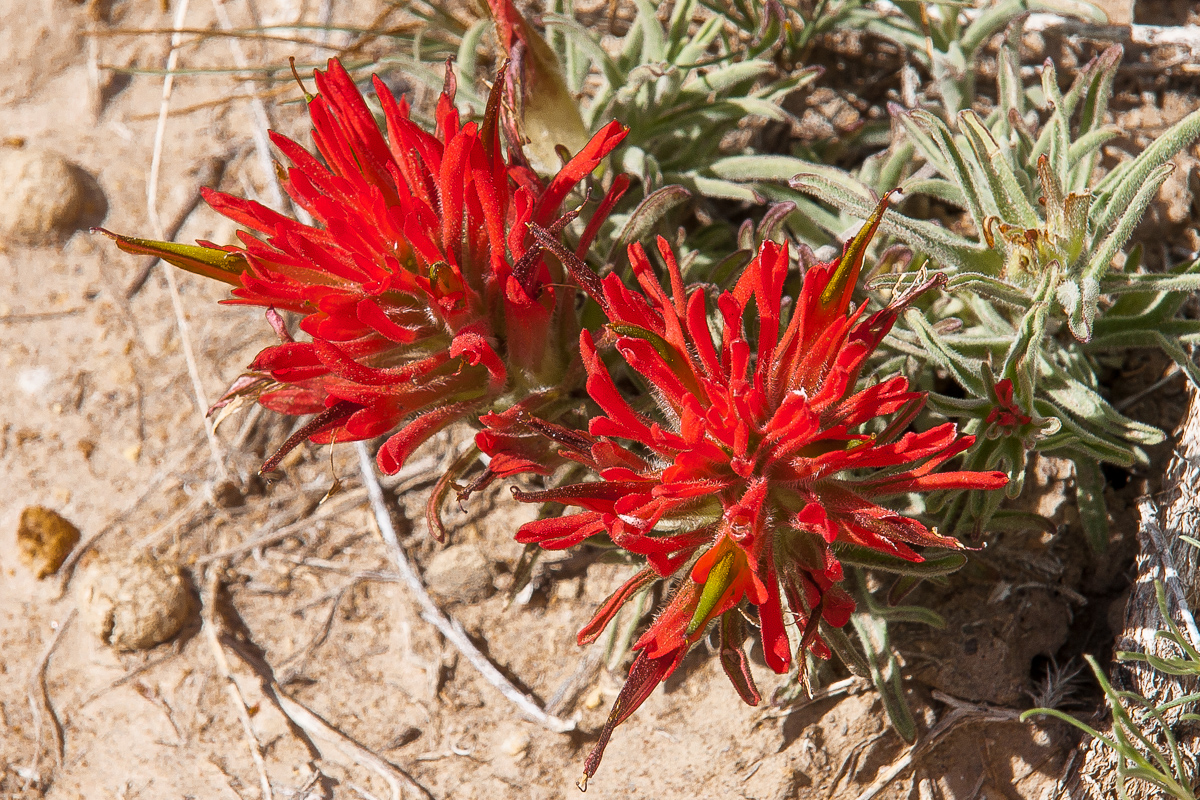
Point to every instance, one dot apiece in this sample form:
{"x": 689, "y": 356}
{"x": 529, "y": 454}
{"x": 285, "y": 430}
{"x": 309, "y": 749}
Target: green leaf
{"x": 991, "y": 288}
{"x": 648, "y": 214}
{"x": 727, "y": 190}
{"x": 955, "y": 166}
{"x": 1135, "y": 207}
{"x": 933, "y": 565}
{"x": 778, "y": 168}
{"x": 965, "y": 371}
{"x": 1014, "y": 207}
{"x": 845, "y": 650}
{"x": 1089, "y": 143}
{"x": 947, "y": 249}
{"x": 582, "y": 38}
{"x": 938, "y": 188}
{"x": 1149, "y": 282}
{"x": 654, "y": 48}
{"x": 1089, "y": 495}
{"x": 208, "y": 262}
{"x": 723, "y": 78}
{"x": 694, "y": 50}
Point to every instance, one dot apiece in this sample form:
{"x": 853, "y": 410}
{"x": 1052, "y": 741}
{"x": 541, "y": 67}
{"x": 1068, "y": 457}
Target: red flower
{"x": 763, "y": 464}
{"x": 1006, "y": 414}
{"x": 423, "y": 295}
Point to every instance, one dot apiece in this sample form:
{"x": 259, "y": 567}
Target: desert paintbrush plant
{"x": 1038, "y": 283}
{"x": 424, "y": 297}
{"x": 766, "y": 458}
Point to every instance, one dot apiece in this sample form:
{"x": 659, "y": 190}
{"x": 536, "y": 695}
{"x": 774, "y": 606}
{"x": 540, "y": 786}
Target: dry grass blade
{"x": 450, "y": 628}
{"x": 185, "y": 338}
{"x": 262, "y": 122}
{"x": 209, "y": 628}
{"x": 39, "y": 702}
{"x": 331, "y": 508}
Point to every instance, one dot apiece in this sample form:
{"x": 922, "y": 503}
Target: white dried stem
{"x": 448, "y": 627}
{"x": 39, "y": 701}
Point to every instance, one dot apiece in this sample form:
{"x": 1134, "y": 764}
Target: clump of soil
{"x": 45, "y": 539}
{"x": 136, "y": 604}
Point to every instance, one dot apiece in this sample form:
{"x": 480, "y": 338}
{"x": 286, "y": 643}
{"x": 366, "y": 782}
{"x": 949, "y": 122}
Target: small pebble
{"x": 594, "y": 699}
{"x": 460, "y": 574}
{"x": 43, "y": 198}
{"x": 135, "y": 605}
{"x": 44, "y": 539}
{"x": 515, "y": 744}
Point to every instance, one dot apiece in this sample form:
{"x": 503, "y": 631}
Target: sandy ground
{"x": 100, "y": 421}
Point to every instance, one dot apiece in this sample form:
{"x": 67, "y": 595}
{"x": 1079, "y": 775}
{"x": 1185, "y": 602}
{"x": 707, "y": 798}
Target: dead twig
{"x": 185, "y": 338}
{"x": 315, "y": 729}
{"x": 39, "y": 702}
{"x": 127, "y": 677}
{"x": 321, "y": 731}
{"x": 851, "y": 685}
{"x": 568, "y": 691}
{"x": 38, "y": 316}
{"x": 448, "y": 627}
{"x": 209, "y": 628}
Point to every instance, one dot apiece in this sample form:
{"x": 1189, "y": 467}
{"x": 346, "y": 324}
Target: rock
{"x": 43, "y": 200}
{"x": 513, "y": 743}
{"x": 135, "y": 605}
{"x": 460, "y": 574}
{"x": 44, "y": 539}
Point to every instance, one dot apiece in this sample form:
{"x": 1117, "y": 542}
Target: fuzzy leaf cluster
{"x": 1038, "y": 271}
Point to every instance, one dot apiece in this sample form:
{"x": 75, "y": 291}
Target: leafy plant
{"x": 1035, "y": 275}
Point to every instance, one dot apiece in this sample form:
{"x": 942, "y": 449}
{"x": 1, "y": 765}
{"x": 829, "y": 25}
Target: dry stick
{"x": 568, "y": 691}
{"x": 321, "y": 731}
{"x": 185, "y": 338}
{"x": 38, "y": 316}
{"x": 126, "y": 678}
{"x": 448, "y": 627}
{"x": 209, "y": 628}
{"x": 39, "y": 701}
{"x": 189, "y": 510}
{"x": 318, "y": 729}
{"x": 209, "y": 175}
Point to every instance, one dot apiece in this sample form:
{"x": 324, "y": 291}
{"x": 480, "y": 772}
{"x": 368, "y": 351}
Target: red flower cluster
{"x": 764, "y": 462}
{"x": 435, "y": 287}
{"x": 422, "y": 291}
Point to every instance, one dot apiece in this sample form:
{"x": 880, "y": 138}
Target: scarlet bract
{"x": 424, "y": 297}
{"x": 758, "y": 464}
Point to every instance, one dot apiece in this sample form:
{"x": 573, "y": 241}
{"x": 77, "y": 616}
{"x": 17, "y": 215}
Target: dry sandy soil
{"x": 100, "y": 421}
